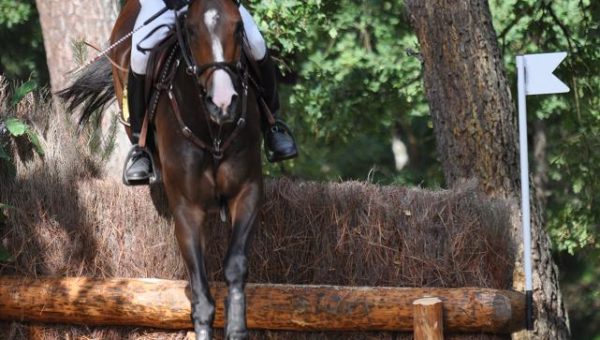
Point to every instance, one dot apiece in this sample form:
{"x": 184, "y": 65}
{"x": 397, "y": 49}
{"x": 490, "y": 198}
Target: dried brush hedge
{"x": 69, "y": 222}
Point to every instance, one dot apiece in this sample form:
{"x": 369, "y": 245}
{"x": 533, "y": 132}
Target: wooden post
{"x": 428, "y": 319}
{"x": 165, "y": 304}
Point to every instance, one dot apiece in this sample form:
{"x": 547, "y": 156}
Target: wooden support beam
{"x": 165, "y": 304}
{"x": 428, "y": 319}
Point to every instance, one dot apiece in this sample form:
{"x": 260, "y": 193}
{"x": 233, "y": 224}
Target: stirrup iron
{"x": 154, "y": 176}
{"x": 280, "y": 127}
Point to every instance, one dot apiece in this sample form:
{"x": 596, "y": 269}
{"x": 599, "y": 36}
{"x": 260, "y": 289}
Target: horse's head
{"x": 215, "y": 34}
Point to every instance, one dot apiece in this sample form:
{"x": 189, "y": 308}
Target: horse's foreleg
{"x": 244, "y": 209}
{"x": 190, "y": 236}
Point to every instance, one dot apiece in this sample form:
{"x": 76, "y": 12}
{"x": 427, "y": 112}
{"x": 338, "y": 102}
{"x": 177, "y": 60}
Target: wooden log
{"x": 428, "y": 319}
{"x": 165, "y": 304}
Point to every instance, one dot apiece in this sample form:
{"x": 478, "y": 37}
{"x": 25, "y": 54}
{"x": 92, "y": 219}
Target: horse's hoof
{"x": 237, "y": 335}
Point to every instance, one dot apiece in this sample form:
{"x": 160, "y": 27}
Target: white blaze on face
{"x": 222, "y": 87}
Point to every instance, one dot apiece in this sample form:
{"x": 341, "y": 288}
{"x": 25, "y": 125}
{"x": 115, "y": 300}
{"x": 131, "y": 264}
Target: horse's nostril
{"x": 233, "y": 105}
{"x": 210, "y": 105}
{"x": 221, "y": 112}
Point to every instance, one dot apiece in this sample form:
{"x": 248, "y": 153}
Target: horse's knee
{"x": 236, "y": 269}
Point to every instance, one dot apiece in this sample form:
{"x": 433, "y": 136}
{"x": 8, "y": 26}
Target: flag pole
{"x": 525, "y": 207}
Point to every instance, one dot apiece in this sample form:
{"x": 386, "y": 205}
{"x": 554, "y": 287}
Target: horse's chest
{"x": 226, "y": 181}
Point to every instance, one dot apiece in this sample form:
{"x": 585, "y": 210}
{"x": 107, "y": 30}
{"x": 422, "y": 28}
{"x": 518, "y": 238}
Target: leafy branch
{"x": 15, "y": 128}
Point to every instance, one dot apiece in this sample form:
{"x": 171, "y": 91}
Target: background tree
{"x": 354, "y": 86}
{"x": 66, "y": 25}
{"x": 474, "y": 120}
{"x": 22, "y": 56}
{"x": 570, "y": 159}
{"x": 67, "y": 22}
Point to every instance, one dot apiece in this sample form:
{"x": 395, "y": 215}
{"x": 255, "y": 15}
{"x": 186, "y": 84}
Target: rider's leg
{"x": 150, "y": 35}
{"x": 279, "y": 142}
{"x": 140, "y": 167}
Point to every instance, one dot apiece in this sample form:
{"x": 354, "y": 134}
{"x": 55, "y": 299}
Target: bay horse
{"x": 208, "y": 159}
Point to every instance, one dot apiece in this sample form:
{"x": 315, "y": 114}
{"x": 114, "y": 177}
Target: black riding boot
{"x": 138, "y": 165}
{"x": 279, "y": 142}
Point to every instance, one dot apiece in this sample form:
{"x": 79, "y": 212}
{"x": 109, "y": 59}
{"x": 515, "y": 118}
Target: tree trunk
{"x": 65, "y": 23}
{"x": 540, "y": 156}
{"x": 476, "y": 132}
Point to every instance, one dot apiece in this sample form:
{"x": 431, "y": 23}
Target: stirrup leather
{"x": 154, "y": 176}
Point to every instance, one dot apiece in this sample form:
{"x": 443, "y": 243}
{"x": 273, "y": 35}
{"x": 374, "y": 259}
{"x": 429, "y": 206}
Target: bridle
{"x": 234, "y": 69}
{"x": 237, "y": 70}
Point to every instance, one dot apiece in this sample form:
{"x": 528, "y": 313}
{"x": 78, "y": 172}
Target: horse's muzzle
{"x": 221, "y": 114}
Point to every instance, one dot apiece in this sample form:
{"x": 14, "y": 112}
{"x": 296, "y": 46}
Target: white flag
{"x": 538, "y": 73}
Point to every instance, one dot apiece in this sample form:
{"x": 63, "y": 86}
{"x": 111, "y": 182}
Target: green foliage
{"x": 18, "y": 128}
{"x": 13, "y": 12}
{"x": 23, "y": 90}
{"x": 4, "y": 156}
{"x": 15, "y": 129}
{"x": 15, "y": 126}
{"x": 581, "y": 292}
{"x": 356, "y": 83}
{"x": 4, "y": 254}
{"x": 22, "y": 54}
{"x": 572, "y": 128}
{"x": 288, "y": 20}
{"x": 572, "y": 121}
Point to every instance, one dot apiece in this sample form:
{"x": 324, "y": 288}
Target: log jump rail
{"x": 165, "y": 304}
